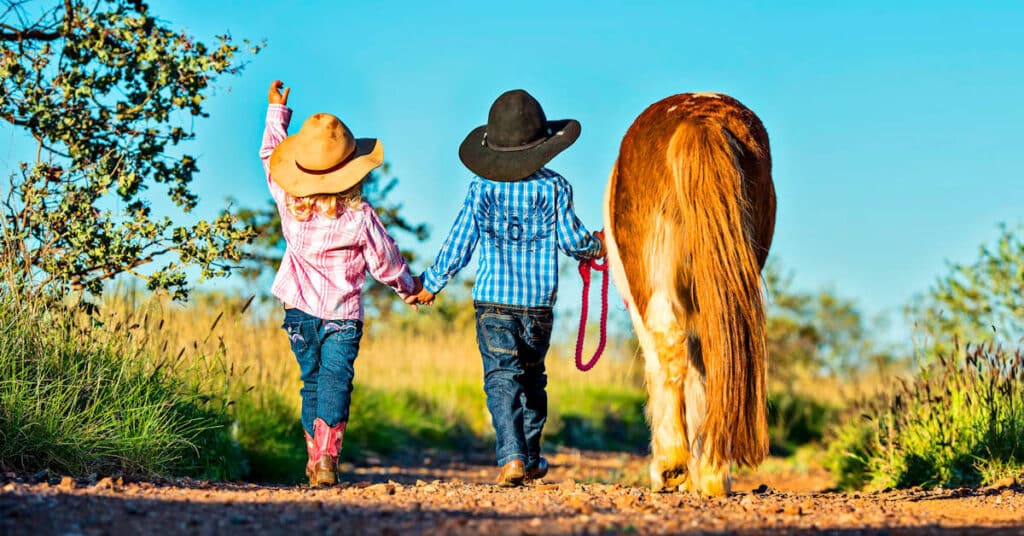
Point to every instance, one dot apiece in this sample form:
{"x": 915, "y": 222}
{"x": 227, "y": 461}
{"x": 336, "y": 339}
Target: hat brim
{"x": 301, "y": 182}
{"x": 510, "y": 166}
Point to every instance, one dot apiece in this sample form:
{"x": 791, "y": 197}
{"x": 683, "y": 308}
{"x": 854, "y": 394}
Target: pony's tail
{"x": 726, "y": 289}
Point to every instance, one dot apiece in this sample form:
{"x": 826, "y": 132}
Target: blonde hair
{"x": 327, "y": 205}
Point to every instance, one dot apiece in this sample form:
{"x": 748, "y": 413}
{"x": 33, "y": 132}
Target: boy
{"x": 521, "y": 213}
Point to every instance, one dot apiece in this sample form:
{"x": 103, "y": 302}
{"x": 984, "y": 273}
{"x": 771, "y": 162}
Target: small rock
{"x": 67, "y": 483}
{"x": 381, "y": 489}
{"x": 105, "y": 483}
{"x": 762, "y": 489}
{"x": 41, "y": 474}
{"x": 792, "y": 510}
{"x": 625, "y": 501}
{"x": 1003, "y": 483}
{"x": 420, "y": 483}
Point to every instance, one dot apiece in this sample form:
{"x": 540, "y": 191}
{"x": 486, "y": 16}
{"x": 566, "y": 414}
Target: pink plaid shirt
{"x": 324, "y": 266}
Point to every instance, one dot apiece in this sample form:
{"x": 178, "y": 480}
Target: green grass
{"x": 145, "y": 391}
{"x": 81, "y": 399}
{"x": 599, "y": 418}
{"x": 958, "y": 423}
{"x": 795, "y": 420}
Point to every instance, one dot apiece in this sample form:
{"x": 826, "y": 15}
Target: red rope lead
{"x": 585, "y": 268}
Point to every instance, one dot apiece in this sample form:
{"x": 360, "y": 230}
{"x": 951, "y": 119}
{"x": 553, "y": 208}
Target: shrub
{"x": 79, "y": 396}
{"x": 795, "y": 420}
{"x": 958, "y": 422}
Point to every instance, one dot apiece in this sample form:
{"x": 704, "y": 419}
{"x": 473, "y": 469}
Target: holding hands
{"x": 422, "y": 297}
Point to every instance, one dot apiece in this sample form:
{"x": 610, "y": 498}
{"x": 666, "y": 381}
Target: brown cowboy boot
{"x": 327, "y": 441}
{"x": 512, "y": 474}
{"x": 311, "y": 457}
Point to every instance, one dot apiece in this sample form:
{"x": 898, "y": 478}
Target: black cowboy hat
{"x": 517, "y": 139}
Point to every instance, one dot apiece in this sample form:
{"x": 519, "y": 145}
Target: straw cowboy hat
{"x": 517, "y": 140}
{"x": 323, "y": 158}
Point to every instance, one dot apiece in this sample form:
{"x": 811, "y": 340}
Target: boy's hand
{"x": 424, "y": 297}
{"x": 274, "y": 96}
{"x": 604, "y": 250}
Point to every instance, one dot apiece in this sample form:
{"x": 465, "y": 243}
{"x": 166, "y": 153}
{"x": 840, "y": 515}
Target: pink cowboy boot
{"x": 312, "y": 457}
{"x": 327, "y": 440}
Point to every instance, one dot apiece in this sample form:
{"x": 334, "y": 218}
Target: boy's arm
{"x": 276, "y": 130}
{"x": 457, "y": 249}
{"x": 383, "y": 258}
{"x": 573, "y": 238}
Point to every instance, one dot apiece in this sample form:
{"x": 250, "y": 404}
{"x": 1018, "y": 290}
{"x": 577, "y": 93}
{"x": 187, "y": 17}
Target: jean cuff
{"x": 505, "y": 459}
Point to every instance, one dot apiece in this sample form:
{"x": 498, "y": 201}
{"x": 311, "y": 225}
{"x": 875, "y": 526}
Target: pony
{"x": 689, "y": 214}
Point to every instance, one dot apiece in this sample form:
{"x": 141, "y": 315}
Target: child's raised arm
{"x": 276, "y": 130}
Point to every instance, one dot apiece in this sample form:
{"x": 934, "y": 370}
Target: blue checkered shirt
{"x": 520, "y": 226}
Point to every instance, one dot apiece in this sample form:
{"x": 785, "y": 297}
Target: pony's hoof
{"x": 716, "y": 486}
{"x": 669, "y": 480}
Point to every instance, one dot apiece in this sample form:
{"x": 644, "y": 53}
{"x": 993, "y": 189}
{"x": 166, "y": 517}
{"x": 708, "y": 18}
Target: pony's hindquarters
{"x": 689, "y": 214}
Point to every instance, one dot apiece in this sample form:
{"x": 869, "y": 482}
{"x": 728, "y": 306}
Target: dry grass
{"x": 419, "y": 355}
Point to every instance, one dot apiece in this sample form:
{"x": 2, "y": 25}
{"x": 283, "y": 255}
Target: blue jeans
{"x": 326, "y": 351}
{"x": 513, "y": 341}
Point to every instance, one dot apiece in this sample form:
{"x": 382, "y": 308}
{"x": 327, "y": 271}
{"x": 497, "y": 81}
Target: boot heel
{"x": 325, "y": 472}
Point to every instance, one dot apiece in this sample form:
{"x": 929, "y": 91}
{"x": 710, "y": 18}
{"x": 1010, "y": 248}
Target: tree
{"x": 816, "y": 333}
{"x": 266, "y": 251}
{"x": 976, "y": 302}
{"x": 107, "y": 91}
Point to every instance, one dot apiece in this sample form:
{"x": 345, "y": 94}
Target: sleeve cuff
{"x": 431, "y": 282}
{"x": 279, "y": 111}
{"x": 405, "y": 285}
{"x": 595, "y": 247}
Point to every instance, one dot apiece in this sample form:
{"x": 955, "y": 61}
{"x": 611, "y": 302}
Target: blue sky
{"x": 895, "y": 130}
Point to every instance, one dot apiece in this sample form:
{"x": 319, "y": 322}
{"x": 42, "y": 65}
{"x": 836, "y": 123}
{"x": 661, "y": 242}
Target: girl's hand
{"x": 274, "y": 96}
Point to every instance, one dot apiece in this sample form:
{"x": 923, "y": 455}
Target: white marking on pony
{"x": 708, "y": 94}
{"x": 672, "y": 108}
{"x": 614, "y": 261}
{"x": 663, "y": 400}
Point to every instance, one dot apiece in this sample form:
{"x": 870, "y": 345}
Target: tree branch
{"x": 34, "y": 33}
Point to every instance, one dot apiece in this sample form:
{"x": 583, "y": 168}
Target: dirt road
{"x": 583, "y": 494}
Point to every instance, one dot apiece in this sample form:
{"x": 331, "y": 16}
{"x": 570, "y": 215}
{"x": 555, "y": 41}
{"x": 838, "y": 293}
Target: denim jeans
{"x": 513, "y": 341}
{"x": 326, "y": 351}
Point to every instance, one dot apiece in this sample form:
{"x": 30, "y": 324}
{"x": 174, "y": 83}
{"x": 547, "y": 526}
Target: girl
{"x": 333, "y": 237}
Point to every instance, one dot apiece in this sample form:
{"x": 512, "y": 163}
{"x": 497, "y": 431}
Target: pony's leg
{"x": 715, "y": 481}
{"x": 663, "y": 343}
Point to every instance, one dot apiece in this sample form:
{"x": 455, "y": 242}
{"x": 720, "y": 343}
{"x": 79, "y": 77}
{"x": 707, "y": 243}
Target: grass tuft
{"x": 959, "y": 422}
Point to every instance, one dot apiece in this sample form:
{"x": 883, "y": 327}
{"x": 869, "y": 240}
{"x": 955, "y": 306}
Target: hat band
{"x": 503, "y": 149}
{"x": 331, "y": 169}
